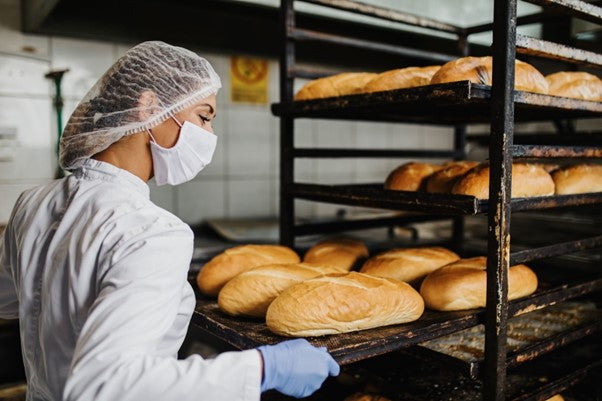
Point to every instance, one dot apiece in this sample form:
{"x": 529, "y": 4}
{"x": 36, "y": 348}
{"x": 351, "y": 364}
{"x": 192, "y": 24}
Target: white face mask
{"x": 183, "y": 161}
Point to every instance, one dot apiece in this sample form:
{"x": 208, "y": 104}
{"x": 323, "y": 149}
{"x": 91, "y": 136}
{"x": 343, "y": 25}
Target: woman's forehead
{"x": 211, "y": 99}
{"x": 209, "y": 102}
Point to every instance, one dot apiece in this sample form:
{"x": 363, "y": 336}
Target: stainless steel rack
{"x": 453, "y": 104}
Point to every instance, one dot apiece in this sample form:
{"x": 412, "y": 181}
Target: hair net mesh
{"x": 112, "y": 109}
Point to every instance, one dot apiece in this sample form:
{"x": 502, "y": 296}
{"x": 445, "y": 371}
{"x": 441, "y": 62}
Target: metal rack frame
{"x": 289, "y": 71}
{"x": 502, "y": 98}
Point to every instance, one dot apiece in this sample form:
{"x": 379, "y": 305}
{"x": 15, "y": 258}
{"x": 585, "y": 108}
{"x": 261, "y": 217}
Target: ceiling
{"x": 251, "y": 26}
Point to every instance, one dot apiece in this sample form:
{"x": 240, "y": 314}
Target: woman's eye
{"x": 204, "y": 119}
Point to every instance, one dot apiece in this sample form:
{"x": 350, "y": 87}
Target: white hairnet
{"x": 175, "y": 77}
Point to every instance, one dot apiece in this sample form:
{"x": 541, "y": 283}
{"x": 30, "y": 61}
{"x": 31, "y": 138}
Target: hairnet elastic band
{"x": 170, "y": 112}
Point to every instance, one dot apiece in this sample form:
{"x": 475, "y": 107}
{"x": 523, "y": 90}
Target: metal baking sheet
{"x": 374, "y": 195}
{"x": 529, "y": 336}
{"x": 346, "y": 348}
{"x": 400, "y": 376}
{"x": 449, "y": 103}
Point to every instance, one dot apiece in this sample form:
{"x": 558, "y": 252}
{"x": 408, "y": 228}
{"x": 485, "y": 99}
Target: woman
{"x": 97, "y": 274}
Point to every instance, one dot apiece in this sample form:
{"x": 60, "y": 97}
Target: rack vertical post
{"x": 500, "y": 180}
{"x": 460, "y": 150}
{"x": 287, "y": 126}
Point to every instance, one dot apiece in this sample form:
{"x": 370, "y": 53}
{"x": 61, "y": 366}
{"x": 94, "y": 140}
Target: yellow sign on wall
{"x": 248, "y": 80}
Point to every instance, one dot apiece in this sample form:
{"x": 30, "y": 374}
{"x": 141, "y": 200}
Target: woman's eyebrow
{"x": 211, "y": 109}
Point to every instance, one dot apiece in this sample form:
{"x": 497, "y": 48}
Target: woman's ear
{"x": 148, "y": 104}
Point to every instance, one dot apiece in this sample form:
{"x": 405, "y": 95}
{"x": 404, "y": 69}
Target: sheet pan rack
{"x": 455, "y": 105}
{"x": 452, "y": 104}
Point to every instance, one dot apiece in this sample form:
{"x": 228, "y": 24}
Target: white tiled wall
{"x": 243, "y": 177}
{"x": 26, "y": 130}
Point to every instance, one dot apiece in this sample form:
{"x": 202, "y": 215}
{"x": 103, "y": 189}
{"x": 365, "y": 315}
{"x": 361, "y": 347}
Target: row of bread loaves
{"x": 579, "y": 85}
{"x": 472, "y": 178}
{"x": 339, "y": 254}
{"x": 251, "y": 292}
{"x": 309, "y": 299}
{"x": 355, "y": 301}
{"x": 446, "y": 282}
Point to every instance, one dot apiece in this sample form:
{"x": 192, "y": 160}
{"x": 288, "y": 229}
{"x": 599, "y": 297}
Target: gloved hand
{"x": 296, "y": 367}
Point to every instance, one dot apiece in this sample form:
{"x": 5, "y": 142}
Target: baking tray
{"x": 403, "y": 377}
{"x": 347, "y": 348}
{"x": 444, "y": 104}
{"x": 529, "y": 336}
{"x": 375, "y": 196}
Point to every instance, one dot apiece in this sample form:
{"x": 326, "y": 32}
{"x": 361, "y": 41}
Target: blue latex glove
{"x": 296, "y": 367}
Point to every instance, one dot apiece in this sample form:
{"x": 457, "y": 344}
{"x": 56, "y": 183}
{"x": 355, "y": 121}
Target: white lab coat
{"x": 96, "y": 273}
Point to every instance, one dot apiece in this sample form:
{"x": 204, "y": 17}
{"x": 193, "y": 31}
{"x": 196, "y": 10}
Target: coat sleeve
{"x": 9, "y": 304}
{"x": 116, "y": 354}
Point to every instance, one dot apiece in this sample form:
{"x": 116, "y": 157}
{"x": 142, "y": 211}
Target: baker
{"x": 97, "y": 273}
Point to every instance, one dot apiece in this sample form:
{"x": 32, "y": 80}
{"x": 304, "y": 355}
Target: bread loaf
{"x": 346, "y": 83}
{"x": 443, "y": 180}
{"x": 479, "y": 70}
{"x": 366, "y": 397}
{"x": 222, "y": 268}
{"x": 408, "y": 264}
{"x": 251, "y": 292}
{"x": 557, "y": 397}
{"x": 342, "y": 303}
{"x": 578, "y": 85}
{"x": 527, "y": 180}
{"x": 463, "y": 285}
{"x": 341, "y": 253}
{"x": 578, "y": 179}
{"x": 548, "y": 167}
{"x": 401, "y": 78}
{"x": 409, "y": 176}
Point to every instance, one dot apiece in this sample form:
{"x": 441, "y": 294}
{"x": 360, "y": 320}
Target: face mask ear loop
{"x": 177, "y": 122}
{"x": 151, "y": 135}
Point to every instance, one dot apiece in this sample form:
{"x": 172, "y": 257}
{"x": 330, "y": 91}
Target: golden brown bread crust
{"x": 479, "y": 70}
{"x": 408, "y": 264}
{"x": 346, "y": 83}
{"x": 342, "y": 303}
{"x": 341, "y": 253}
{"x": 548, "y": 167}
{"x": 251, "y": 292}
{"x": 367, "y": 397}
{"x": 223, "y": 267}
{"x": 578, "y": 85}
{"x": 443, "y": 180}
{"x": 410, "y": 176}
{"x": 557, "y": 397}
{"x": 401, "y": 78}
{"x": 527, "y": 180}
{"x": 463, "y": 285}
{"x": 578, "y": 179}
